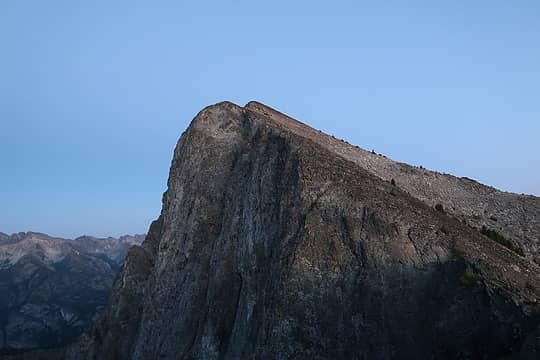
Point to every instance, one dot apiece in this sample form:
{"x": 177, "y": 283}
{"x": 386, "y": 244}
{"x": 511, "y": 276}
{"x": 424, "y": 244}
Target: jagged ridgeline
{"x": 52, "y": 289}
{"x": 276, "y": 241}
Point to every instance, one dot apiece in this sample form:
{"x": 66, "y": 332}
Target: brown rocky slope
{"x": 278, "y": 241}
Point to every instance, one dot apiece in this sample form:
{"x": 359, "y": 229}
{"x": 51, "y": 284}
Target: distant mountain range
{"x": 52, "y": 288}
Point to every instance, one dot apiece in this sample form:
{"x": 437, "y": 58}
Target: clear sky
{"x": 94, "y": 94}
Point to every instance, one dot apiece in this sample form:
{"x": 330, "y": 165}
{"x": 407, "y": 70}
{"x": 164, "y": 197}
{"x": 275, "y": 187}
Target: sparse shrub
{"x": 469, "y": 277}
{"x": 495, "y": 236}
{"x": 536, "y": 311}
{"x": 456, "y": 251}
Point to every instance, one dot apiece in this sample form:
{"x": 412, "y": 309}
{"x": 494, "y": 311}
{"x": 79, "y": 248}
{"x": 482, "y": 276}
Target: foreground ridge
{"x": 477, "y": 204}
{"x": 278, "y": 241}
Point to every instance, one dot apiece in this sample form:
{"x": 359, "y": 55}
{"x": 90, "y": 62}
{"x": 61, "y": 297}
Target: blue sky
{"x": 94, "y": 94}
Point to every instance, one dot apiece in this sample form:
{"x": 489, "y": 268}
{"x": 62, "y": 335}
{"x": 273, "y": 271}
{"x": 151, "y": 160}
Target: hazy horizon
{"x": 70, "y": 238}
{"x": 95, "y": 95}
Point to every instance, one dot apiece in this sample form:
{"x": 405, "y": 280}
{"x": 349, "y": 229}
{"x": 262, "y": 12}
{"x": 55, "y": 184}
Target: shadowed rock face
{"x": 274, "y": 241}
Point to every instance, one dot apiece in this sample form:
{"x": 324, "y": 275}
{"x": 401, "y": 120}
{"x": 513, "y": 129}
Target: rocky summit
{"x": 277, "y": 241}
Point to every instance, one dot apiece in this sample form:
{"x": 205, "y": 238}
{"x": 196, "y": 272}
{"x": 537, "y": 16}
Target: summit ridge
{"x": 278, "y": 241}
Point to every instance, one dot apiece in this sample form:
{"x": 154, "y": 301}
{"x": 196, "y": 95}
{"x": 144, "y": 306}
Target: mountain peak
{"x": 278, "y": 241}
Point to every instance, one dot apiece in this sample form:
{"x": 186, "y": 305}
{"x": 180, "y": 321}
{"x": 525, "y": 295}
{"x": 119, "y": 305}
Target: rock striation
{"x": 278, "y": 241}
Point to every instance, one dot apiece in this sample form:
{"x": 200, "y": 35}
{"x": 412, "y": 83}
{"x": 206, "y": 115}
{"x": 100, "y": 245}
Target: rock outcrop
{"x": 51, "y": 289}
{"x": 278, "y": 241}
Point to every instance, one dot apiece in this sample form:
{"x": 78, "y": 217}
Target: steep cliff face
{"x": 275, "y": 241}
{"x": 515, "y": 216}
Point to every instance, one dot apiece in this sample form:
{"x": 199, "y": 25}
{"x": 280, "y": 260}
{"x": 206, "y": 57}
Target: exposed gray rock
{"x": 113, "y": 248}
{"x": 277, "y": 241}
{"x": 51, "y": 289}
